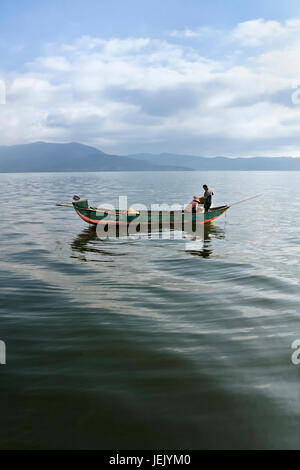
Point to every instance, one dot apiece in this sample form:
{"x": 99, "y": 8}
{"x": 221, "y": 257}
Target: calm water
{"x": 136, "y": 344}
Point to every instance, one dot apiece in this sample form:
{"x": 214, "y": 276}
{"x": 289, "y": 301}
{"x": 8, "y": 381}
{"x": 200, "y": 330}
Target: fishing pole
{"x": 245, "y": 200}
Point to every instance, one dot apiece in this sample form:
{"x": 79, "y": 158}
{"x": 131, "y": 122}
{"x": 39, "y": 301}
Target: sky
{"x": 214, "y": 77}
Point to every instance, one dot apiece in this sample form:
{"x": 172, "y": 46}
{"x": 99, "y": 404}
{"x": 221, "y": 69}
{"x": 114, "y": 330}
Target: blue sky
{"x": 199, "y": 77}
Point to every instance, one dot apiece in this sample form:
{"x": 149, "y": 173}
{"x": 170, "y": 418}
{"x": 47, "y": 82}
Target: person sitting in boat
{"x": 208, "y": 194}
{"x": 193, "y": 205}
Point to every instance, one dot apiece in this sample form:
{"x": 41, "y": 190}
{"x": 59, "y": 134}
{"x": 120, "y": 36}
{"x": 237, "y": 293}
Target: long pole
{"x": 245, "y": 200}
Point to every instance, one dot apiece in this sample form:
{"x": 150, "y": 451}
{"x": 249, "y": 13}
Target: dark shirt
{"x": 208, "y": 196}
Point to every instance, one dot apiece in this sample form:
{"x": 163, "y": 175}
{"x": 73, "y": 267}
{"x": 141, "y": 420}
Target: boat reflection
{"x": 88, "y": 242}
{"x": 198, "y": 245}
{"x": 203, "y": 246}
{"x": 86, "y": 236}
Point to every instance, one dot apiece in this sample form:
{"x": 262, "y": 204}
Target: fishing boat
{"x": 145, "y": 218}
{"x": 178, "y": 218}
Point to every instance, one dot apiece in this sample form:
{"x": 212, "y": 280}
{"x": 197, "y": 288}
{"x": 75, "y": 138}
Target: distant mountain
{"x": 47, "y": 157}
{"x": 221, "y": 163}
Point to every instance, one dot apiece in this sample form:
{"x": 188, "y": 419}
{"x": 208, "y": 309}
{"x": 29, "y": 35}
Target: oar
{"x": 245, "y": 200}
{"x": 64, "y": 204}
{"x": 92, "y": 209}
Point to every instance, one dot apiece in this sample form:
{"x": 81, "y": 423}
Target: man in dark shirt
{"x": 208, "y": 193}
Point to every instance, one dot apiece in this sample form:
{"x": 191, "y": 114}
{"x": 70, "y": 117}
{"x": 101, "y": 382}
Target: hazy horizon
{"x": 150, "y": 153}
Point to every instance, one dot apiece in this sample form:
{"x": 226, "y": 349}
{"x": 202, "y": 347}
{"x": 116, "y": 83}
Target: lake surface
{"x": 143, "y": 344}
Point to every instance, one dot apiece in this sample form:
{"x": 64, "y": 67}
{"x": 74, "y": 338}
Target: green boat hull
{"x": 172, "y": 219}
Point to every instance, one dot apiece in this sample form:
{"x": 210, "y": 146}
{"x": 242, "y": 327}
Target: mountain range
{"x": 52, "y": 157}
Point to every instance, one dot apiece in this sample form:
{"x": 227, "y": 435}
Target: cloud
{"x": 198, "y": 33}
{"x": 186, "y": 33}
{"x": 54, "y": 63}
{"x": 254, "y": 32}
{"x": 166, "y": 101}
{"x": 144, "y": 94}
{"x": 265, "y": 32}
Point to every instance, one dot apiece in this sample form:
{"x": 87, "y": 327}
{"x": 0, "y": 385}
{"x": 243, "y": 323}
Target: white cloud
{"x": 254, "y": 32}
{"x": 200, "y": 33}
{"x": 55, "y": 63}
{"x": 185, "y": 33}
{"x": 265, "y": 32}
{"x": 130, "y": 95}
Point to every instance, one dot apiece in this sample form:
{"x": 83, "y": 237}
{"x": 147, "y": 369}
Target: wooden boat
{"x": 118, "y": 223}
{"x": 144, "y": 218}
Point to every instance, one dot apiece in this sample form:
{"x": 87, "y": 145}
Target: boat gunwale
{"x": 121, "y": 211}
{"x": 215, "y": 213}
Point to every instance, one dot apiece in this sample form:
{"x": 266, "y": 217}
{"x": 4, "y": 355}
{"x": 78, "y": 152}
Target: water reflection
{"x": 88, "y": 241}
{"x": 81, "y": 241}
{"x": 203, "y": 246}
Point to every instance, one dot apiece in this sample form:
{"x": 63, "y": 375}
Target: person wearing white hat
{"x": 193, "y": 205}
